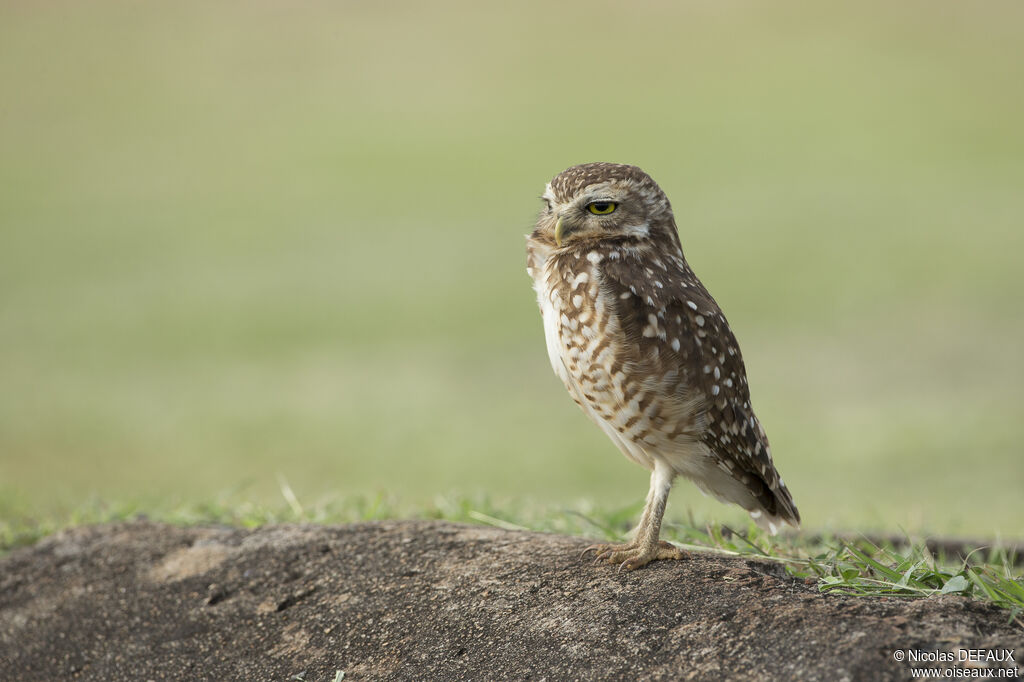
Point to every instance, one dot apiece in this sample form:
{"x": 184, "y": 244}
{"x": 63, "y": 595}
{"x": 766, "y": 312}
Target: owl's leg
{"x": 645, "y": 546}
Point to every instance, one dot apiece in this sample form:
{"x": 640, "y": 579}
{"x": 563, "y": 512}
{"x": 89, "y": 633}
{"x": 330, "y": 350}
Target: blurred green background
{"x": 238, "y": 240}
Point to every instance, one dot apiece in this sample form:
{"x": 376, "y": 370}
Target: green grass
{"x": 237, "y": 242}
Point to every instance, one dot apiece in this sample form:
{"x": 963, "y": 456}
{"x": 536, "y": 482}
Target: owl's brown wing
{"x": 674, "y": 329}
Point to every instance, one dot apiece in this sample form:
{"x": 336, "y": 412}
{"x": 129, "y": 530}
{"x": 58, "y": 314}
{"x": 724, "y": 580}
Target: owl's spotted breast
{"x": 642, "y": 404}
{"x": 583, "y": 339}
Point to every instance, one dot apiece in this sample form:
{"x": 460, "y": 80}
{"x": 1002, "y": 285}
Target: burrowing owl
{"x": 645, "y": 351}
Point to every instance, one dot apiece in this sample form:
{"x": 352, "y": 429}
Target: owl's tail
{"x": 784, "y": 512}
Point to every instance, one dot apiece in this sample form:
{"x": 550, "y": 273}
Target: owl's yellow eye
{"x": 602, "y": 207}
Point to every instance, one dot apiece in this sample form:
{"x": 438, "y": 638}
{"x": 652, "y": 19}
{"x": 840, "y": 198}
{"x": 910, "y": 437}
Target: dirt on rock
{"x": 417, "y": 600}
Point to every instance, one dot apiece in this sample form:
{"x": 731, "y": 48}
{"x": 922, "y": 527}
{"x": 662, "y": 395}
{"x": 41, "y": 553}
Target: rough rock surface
{"x": 411, "y": 600}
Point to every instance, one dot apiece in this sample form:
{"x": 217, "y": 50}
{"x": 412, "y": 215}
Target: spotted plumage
{"x": 645, "y": 351}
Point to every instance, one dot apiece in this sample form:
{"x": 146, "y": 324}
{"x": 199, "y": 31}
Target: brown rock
{"x": 412, "y": 600}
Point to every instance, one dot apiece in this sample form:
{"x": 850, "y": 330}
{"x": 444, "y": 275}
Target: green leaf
{"x": 904, "y": 581}
{"x": 957, "y": 583}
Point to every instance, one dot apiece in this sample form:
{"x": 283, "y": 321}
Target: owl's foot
{"x": 633, "y": 556}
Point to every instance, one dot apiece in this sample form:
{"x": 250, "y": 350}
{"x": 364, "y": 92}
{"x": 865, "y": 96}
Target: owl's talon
{"x": 602, "y": 551}
{"x": 600, "y": 548}
{"x": 632, "y": 557}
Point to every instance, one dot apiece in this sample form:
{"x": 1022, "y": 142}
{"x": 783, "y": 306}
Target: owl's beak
{"x": 558, "y": 232}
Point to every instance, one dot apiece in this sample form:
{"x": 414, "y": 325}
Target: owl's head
{"x": 604, "y": 201}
